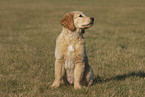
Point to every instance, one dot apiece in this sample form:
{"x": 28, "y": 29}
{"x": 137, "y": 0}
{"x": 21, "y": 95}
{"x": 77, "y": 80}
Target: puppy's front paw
{"x": 55, "y": 85}
{"x": 77, "y": 86}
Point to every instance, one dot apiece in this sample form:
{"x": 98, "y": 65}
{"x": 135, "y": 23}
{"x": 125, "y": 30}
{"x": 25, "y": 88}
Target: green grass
{"x": 115, "y": 47}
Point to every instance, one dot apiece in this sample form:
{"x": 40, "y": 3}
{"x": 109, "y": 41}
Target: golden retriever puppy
{"x": 71, "y": 64}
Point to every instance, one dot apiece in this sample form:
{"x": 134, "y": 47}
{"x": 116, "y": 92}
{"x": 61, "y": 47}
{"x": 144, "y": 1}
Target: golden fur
{"x": 71, "y": 64}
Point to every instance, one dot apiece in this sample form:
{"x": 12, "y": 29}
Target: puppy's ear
{"x": 67, "y": 21}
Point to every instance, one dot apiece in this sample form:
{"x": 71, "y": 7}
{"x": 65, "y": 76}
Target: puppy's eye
{"x": 80, "y": 16}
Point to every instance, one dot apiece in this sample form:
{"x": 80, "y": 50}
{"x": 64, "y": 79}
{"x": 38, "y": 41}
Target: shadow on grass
{"x": 140, "y": 74}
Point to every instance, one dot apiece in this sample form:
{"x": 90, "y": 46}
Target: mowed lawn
{"x": 115, "y": 47}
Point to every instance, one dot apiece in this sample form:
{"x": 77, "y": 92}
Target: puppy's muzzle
{"x": 92, "y": 19}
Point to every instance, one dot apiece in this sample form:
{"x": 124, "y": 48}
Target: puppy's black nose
{"x": 92, "y": 18}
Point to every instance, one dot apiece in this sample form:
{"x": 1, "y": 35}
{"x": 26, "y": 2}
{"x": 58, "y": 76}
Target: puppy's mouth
{"x": 88, "y": 25}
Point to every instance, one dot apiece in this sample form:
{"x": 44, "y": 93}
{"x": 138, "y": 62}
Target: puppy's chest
{"x": 69, "y": 62}
{"x": 71, "y": 50}
{"x": 71, "y": 53}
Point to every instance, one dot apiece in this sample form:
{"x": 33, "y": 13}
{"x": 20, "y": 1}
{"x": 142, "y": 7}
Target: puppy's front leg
{"x": 59, "y": 73}
{"x": 78, "y": 74}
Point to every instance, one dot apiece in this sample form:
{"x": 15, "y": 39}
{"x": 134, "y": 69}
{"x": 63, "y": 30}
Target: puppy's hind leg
{"x": 90, "y": 76}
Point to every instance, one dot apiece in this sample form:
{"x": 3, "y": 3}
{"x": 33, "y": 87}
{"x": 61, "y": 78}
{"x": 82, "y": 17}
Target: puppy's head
{"x": 76, "y": 20}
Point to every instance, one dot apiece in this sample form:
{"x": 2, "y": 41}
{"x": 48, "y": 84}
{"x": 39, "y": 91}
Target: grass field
{"x": 115, "y": 47}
